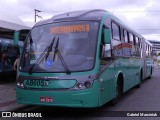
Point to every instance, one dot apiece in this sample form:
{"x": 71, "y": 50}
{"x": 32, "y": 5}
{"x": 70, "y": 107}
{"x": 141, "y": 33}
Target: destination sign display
{"x": 70, "y": 29}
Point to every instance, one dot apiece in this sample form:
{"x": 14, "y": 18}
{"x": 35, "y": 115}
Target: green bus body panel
{"x": 55, "y": 84}
{"x": 67, "y": 98}
{"x": 124, "y": 66}
{"x": 107, "y": 85}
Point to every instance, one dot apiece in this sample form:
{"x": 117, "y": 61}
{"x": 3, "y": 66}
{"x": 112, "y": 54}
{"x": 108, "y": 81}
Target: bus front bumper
{"x": 66, "y": 98}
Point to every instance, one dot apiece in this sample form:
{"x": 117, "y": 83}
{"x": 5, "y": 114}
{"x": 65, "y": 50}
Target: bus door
{"x": 106, "y": 67}
{"x": 8, "y": 55}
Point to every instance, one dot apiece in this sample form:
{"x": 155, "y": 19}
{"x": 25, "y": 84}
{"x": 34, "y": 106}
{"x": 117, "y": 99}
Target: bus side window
{"x": 140, "y": 45}
{"x": 147, "y": 51}
{"x": 116, "y": 40}
{"x": 137, "y": 47}
{"x": 105, "y": 50}
{"x": 126, "y": 46}
{"x": 106, "y": 54}
{"x": 131, "y": 38}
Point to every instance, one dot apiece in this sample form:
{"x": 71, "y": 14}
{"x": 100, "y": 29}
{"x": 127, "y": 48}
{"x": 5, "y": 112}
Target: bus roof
{"x": 76, "y": 15}
{"x": 95, "y": 14}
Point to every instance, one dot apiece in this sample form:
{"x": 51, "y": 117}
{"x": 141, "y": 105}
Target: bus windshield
{"x": 76, "y": 45}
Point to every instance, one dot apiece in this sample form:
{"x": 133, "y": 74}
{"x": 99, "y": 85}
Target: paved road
{"x": 8, "y": 93}
{"x": 146, "y": 98}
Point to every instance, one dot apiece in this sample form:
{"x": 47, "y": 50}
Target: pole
{"x": 36, "y": 14}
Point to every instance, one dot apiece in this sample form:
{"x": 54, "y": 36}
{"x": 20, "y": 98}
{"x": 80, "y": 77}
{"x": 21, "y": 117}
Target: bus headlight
{"x": 22, "y": 85}
{"x": 83, "y": 85}
{"x": 87, "y": 84}
{"x": 18, "y": 84}
{"x": 79, "y": 85}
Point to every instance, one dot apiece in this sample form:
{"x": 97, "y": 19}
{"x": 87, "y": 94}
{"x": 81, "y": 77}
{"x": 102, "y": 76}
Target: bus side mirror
{"x": 107, "y": 36}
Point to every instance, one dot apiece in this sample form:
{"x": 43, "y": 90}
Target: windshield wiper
{"x": 61, "y": 58}
{"x": 42, "y": 56}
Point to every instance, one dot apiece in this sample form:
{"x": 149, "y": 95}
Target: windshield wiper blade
{"x": 41, "y": 57}
{"x": 61, "y": 58}
{"x": 49, "y": 48}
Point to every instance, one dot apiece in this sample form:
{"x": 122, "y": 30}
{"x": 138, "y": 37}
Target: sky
{"x": 141, "y": 15}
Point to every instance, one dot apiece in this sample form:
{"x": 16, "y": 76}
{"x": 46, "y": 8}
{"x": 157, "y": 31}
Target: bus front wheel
{"x": 140, "y": 80}
{"x": 150, "y": 73}
{"x": 119, "y": 89}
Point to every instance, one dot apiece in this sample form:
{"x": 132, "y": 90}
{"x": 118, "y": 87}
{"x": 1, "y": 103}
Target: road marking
{"x": 7, "y": 103}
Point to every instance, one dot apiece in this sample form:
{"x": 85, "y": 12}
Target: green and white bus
{"x": 80, "y": 59}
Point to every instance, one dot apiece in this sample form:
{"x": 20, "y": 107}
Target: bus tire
{"x": 140, "y": 79}
{"x": 150, "y": 73}
{"x": 119, "y": 90}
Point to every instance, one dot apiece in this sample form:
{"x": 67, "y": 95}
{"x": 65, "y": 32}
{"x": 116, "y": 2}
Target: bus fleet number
{"x": 35, "y": 83}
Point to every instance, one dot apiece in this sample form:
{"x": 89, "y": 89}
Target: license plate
{"x": 46, "y": 99}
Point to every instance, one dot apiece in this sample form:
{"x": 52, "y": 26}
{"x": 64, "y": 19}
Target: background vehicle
{"x": 80, "y": 59}
{"x": 19, "y": 37}
{"x": 11, "y": 43}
